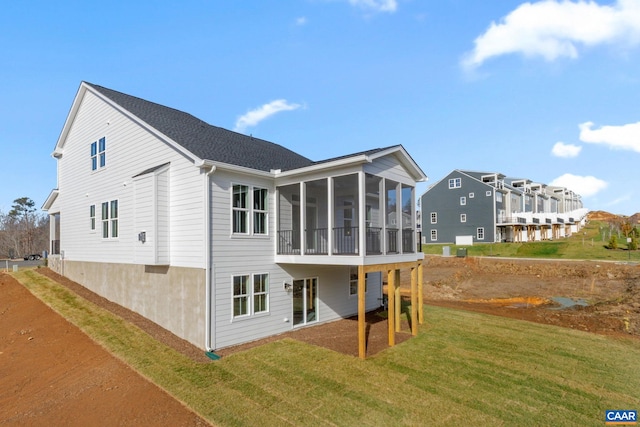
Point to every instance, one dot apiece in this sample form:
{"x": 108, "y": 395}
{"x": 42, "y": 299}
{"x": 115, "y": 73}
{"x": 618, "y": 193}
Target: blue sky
{"x": 547, "y": 90}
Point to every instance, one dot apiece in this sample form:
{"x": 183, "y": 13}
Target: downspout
{"x": 209, "y": 342}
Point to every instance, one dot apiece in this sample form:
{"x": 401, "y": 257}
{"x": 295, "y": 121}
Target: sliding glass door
{"x": 305, "y": 301}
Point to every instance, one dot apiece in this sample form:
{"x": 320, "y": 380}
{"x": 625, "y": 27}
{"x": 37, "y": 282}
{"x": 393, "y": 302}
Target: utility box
{"x": 461, "y": 252}
{"x": 446, "y": 251}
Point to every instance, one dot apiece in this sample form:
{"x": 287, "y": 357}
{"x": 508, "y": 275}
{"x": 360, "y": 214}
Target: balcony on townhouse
{"x": 357, "y": 218}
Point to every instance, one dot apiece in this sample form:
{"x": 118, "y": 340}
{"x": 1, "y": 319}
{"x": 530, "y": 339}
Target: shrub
{"x": 613, "y": 242}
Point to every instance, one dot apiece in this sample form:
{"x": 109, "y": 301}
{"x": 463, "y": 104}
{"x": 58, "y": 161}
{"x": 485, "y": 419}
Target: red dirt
{"x": 53, "y": 374}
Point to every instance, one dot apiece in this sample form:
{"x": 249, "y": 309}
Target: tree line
{"x": 23, "y": 230}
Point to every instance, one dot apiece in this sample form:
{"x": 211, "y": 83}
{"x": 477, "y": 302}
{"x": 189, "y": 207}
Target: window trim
{"x": 98, "y": 154}
{"x": 455, "y": 183}
{"x": 480, "y": 233}
{"x": 472, "y": 195}
{"x": 249, "y": 295}
{"x": 434, "y": 235}
{"x": 434, "y": 217}
{"x": 353, "y": 280}
{"x": 92, "y": 218}
{"x": 463, "y": 217}
{"x": 250, "y": 211}
{"x": 109, "y": 220}
{"x": 463, "y": 201}
{"x": 488, "y": 193}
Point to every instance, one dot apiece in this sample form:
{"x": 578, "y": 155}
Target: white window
{"x": 434, "y": 217}
{"x": 260, "y": 207}
{"x": 260, "y": 293}
{"x": 463, "y": 217}
{"x": 455, "y": 183}
{"x": 480, "y": 233}
{"x": 92, "y": 217}
{"x": 110, "y": 219}
{"x": 472, "y": 195}
{"x": 244, "y": 209}
{"x": 98, "y": 154}
{"x": 434, "y": 235}
{"x": 498, "y": 196}
{"x": 250, "y": 294}
{"x": 463, "y": 201}
{"x": 488, "y": 193}
{"x": 240, "y": 296}
{"x": 353, "y": 281}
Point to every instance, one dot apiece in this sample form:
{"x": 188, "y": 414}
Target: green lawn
{"x": 462, "y": 369}
{"x": 588, "y": 243}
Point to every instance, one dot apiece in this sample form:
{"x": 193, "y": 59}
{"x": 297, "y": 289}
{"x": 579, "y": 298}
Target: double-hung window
{"x": 92, "y": 217}
{"x": 434, "y": 217}
{"x": 260, "y": 205}
{"x": 463, "y": 201}
{"x": 249, "y": 205}
{"x": 110, "y": 219}
{"x": 480, "y": 233}
{"x": 434, "y": 235}
{"x": 463, "y": 217}
{"x": 98, "y": 154}
{"x": 250, "y": 294}
{"x": 353, "y": 281}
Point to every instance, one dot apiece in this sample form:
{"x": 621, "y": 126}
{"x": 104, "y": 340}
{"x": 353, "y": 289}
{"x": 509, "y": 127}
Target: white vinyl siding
{"x": 79, "y": 187}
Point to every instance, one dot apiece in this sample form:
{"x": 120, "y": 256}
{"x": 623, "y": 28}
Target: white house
{"x": 219, "y": 237}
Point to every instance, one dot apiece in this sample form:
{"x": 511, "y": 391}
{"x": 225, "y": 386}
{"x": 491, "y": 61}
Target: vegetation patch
{"x": 463, "y": 368}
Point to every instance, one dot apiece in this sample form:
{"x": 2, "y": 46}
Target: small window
{"x": 463, "y": 201}
{"x": 260, "y": 208}
{"x": 240, "y": 296}
{"x": 463, "y": 217}
{"x": 455, "y": 183}
{"x": 260, "y": 293}
{"x": 434, "y": 217}
{"x": 98, "y": 154}
{"x": 472, "y": 195}
{"x": 110, "y": 219}
{"x": 353, "y": 281}
{"x": 434, "y": 235}
{"x": 488, "y": 193}
{"x": 480, "y": 233}
{"x": 240, "y": 208}
{"x": 92, "y": 217}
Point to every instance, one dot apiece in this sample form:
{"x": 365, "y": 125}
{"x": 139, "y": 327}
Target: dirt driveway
{"x": 53, "y": 374}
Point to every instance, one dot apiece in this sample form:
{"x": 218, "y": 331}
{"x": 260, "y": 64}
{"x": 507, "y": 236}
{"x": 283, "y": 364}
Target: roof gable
{"x": 205, "y": 141}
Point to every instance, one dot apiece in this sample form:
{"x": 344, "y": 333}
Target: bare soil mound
{"x": 611, "y": 291}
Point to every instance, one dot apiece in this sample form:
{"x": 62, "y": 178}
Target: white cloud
{"x": 625, "y": 137}
{"x": 301, "y": 21}
{"x": 585, "y": 186}
{"x": 253, "y": 117}
{"x": 552, "y": 29}
{"x": 560, "y": 149}
{"x": 376, "y": 5}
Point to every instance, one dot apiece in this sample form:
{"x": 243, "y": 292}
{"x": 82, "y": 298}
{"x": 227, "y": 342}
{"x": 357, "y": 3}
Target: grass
{"x": 463, "y": 368}
{"x": 589, "y": 243}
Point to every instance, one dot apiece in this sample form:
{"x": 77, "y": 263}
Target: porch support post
{"x": 398, "y": 300}
{"x": 414, "y": 300}
{"x": 420, "y": 293}
{"x": 391, "y": 303}
{"x": 362, "y": 348}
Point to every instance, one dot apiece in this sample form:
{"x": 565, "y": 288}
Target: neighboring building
{"x": 475, "y": 207}
{"x": 219, "y": 237}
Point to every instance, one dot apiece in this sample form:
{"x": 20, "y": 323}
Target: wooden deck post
{"x": 420, "y": 294}
{"x": 398, "y": 295}
{"x": 414, "y": 300}
{"x": 391, "y": 305}
{"x": 362, "y": 347}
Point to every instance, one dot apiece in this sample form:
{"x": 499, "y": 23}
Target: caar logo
{"x": 621, "y": 417}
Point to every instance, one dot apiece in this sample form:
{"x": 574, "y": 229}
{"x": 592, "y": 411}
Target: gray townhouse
{"x": 468, "y": 207}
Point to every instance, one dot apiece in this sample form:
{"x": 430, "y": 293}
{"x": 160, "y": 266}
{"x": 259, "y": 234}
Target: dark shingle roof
{"x": 206, "y": 141}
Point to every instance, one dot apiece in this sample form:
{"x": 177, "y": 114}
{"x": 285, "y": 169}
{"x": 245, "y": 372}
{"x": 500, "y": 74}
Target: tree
{"x": 23, "y": 231}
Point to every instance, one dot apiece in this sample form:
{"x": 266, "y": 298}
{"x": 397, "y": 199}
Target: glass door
{"x": 305, "y": 301}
